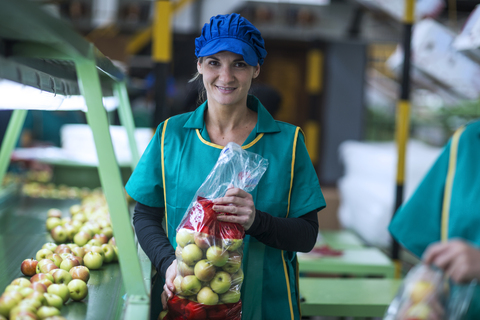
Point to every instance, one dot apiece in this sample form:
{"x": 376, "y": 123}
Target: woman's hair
{"x": 197, "y": 77}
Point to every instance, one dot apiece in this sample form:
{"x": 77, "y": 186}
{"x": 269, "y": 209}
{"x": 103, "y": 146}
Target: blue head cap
{"x": 232, "y": 33}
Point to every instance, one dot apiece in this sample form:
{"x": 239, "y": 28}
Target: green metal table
{"x": 41, "y": 51}
{"x": 347, "y": 297}
{"x": 359, "y": 262}
{"x": 340, "y": 239}
{"x": 22, "y": 233}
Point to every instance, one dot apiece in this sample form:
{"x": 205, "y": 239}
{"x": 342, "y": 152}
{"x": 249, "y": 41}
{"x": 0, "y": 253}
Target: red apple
{"x": 101, "y": 237}
{"x": 55, "y": 258}
{"x": 28, "y": 267}
{"x": 78, "y": 252}
{"x": 112, "y": 242}
{"x": 203, "y": 240}
{"x": 63, "y": 248}
{"x": 40, "y": 287}
{"x": 46, "y": 268}
{"x": 81, "y": 273}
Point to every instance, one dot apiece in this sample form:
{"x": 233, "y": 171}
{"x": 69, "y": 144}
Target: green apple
{"x": 55, "y": 258}
{"x": 191, "y": 253}
{"x": 37, "y": 295}
{"x": 50, "y": 246}
{"x": 44, "y": 312}
{"x": 53, "y": 300}
{"x": 232, "y": 244}
{"x": 61, "y": 276}
{"x": 78, "y": 289}
{"x": 54, "y": 213}
{"x": 68, "y": 263}
{"x": 234, "y": 262}
{"x": 23, "y": 312}
{"x": 108, "y": 231}
{"x": 78, "y": 252}
{"x": 99, "y": 250}
{"x": 190, "y": 285}
{"x": 221, "y": 282}
{"x": 60, "y": 290}
{"x": 52, "y": 223}
{"x": 31, "y": 302}
{"x": 22, "y": 282}
{"x": 204, "y": 270}
{"x": 217, "y": 256}
{"x": 207, "y": 296}
{"x": 80, "y": 272}
{"x": 162, "y": 315}
{"x": 185, "y": 237}
{"x": 94, "y": 242}
{"x": 178, "y": 283}
{"x": 93, "y": 260}
{"x": 231, "y": 296}
{"x": 81, "y": 238}
{"x": 108, "y": 252}
{"x": 40, "y": 276}
{"x": 71, "y": 231}
{"x": 100, "y": 237}
{"x": 237, "y": 278}
{"x": 25, "y": 291}
{"x": 42, "y": 254}
{"x": 76, "y": 208}
{"x": 59, "y": 234}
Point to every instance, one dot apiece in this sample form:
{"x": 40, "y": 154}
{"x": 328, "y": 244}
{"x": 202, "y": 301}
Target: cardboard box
{"x": 328, "y": 217}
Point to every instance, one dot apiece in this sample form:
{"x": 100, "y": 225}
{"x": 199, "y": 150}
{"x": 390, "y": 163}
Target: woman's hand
{"x": 238, "y": 202}
{"x": 169, "y": 288}
{"x": 458, "y": 259}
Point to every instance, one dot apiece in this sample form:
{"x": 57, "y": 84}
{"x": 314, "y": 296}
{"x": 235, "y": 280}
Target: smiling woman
{"x": 279, "y": 216}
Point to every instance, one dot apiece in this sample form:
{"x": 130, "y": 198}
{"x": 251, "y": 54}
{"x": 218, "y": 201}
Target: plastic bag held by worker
{"x": 209, "y": 252}
{"x": 427, "y": 293}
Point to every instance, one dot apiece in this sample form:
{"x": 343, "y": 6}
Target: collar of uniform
{"x": 265, "y": 121}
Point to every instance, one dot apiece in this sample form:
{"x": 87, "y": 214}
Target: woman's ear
{"x": 199, "y": 67}
{"x": 256, "y": 72}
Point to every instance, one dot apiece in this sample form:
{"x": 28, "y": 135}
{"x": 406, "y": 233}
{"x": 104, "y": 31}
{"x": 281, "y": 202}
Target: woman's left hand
{"x": 458, "y": 259}
{"x": 240, "y": 204}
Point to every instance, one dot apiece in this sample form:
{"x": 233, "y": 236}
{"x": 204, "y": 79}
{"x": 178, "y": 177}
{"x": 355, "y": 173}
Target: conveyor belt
{"x": 22, "y": 233}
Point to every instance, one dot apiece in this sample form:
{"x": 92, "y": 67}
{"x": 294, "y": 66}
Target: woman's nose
{"x": 226, "y": 74}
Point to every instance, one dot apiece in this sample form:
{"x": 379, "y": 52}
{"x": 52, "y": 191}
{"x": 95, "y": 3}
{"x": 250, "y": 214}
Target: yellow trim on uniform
{"x": 447, "y": 195}
{"x": 288, "y": 211}
{"x": 211, "y": 144}
{"x": 163, "y": 174}
{"x": 401, "y": 135}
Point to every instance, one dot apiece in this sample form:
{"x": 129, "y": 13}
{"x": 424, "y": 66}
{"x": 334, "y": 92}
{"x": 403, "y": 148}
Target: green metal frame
{"x": 45, "y": 37}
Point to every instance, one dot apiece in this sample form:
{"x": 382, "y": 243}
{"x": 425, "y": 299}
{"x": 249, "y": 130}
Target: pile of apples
{"x": 60, "y": 271}
{"x": 209, "y": 273}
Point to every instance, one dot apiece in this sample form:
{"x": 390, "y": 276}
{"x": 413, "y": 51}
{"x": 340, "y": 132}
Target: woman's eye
{"x": 213, "y": 63}
{"x": 240, "y": 64}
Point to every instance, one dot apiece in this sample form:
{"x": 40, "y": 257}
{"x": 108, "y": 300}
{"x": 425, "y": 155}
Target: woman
{"x": 279, "y": 217}
{"x": 440, "y": 221}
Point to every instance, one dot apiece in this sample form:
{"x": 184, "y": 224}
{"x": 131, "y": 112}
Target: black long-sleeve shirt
{"x": 289, "y": 234}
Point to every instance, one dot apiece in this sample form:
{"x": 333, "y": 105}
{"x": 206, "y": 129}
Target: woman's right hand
{"x": 169, "y": 288}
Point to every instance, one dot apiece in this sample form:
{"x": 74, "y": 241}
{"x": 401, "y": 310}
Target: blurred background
{"x": 333, "y": 67}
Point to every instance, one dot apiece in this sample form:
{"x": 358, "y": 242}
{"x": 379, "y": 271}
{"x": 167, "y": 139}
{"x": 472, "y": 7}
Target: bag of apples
{"x": 209, "y": 252}
{"x": 427, "y": 293}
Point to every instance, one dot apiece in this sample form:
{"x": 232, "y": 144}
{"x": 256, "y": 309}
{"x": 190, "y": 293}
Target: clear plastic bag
{"x": 209, "y": 252}
{"x": 426, "y": 293}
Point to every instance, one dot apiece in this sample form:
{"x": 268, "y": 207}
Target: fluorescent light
{"x": 14, "y": 95}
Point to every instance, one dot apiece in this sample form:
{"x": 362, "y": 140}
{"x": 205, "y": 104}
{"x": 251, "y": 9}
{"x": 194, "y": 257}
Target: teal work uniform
{"x": 182, "y": 149}
{"x": 417, "y": 223}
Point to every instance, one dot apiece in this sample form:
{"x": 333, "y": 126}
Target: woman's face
{"x": 227, "y": 78}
